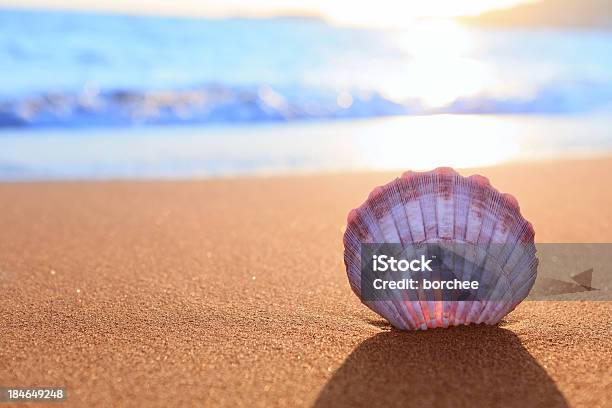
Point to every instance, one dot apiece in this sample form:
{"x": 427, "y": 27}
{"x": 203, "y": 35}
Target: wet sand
{"x": 233, "y": 293}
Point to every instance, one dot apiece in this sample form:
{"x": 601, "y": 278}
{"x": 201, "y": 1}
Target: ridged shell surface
{"x": 446, "y": 208}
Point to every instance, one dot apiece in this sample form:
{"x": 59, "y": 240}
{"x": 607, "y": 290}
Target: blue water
{"x": 77, "y": 70}
{"x": 390, "y": 143}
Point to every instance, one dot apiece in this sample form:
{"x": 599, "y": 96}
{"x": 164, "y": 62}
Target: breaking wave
{"x": 214, "y": 104}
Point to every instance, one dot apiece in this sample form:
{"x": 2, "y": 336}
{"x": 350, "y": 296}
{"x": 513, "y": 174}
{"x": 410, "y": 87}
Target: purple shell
{"x": 443, "y": 207}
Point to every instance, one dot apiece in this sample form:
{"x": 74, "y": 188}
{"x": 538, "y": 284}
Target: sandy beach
{"x": 233, "y": 293}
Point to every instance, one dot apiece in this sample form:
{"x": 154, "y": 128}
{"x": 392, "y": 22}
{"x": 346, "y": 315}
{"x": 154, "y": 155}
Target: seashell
{"x": 481, "y": 228}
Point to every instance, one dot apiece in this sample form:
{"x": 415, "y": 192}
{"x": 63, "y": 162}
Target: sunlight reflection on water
{"x": 401, "y": 143}
{"x": 444, "y": 140}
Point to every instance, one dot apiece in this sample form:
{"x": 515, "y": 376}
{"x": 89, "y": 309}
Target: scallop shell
{"x": 444, "y": 208}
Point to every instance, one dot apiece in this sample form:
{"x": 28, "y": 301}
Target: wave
{"x": 217, "y": 104}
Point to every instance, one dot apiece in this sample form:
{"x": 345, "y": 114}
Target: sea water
{"x": 87, "y": 95}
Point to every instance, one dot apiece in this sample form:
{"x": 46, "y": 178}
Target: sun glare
{"x": 440, "y": 68}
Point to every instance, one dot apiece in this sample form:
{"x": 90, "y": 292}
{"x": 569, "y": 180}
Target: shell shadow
{"x": 462, "y": 366}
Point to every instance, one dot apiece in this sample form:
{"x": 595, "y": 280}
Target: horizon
{"x": 341, "y": 12}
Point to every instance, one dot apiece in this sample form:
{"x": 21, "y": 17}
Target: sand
{"x": 233, "y": 293}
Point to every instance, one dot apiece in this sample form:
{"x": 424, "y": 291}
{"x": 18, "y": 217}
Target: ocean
{"x": 86, "y": 95}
